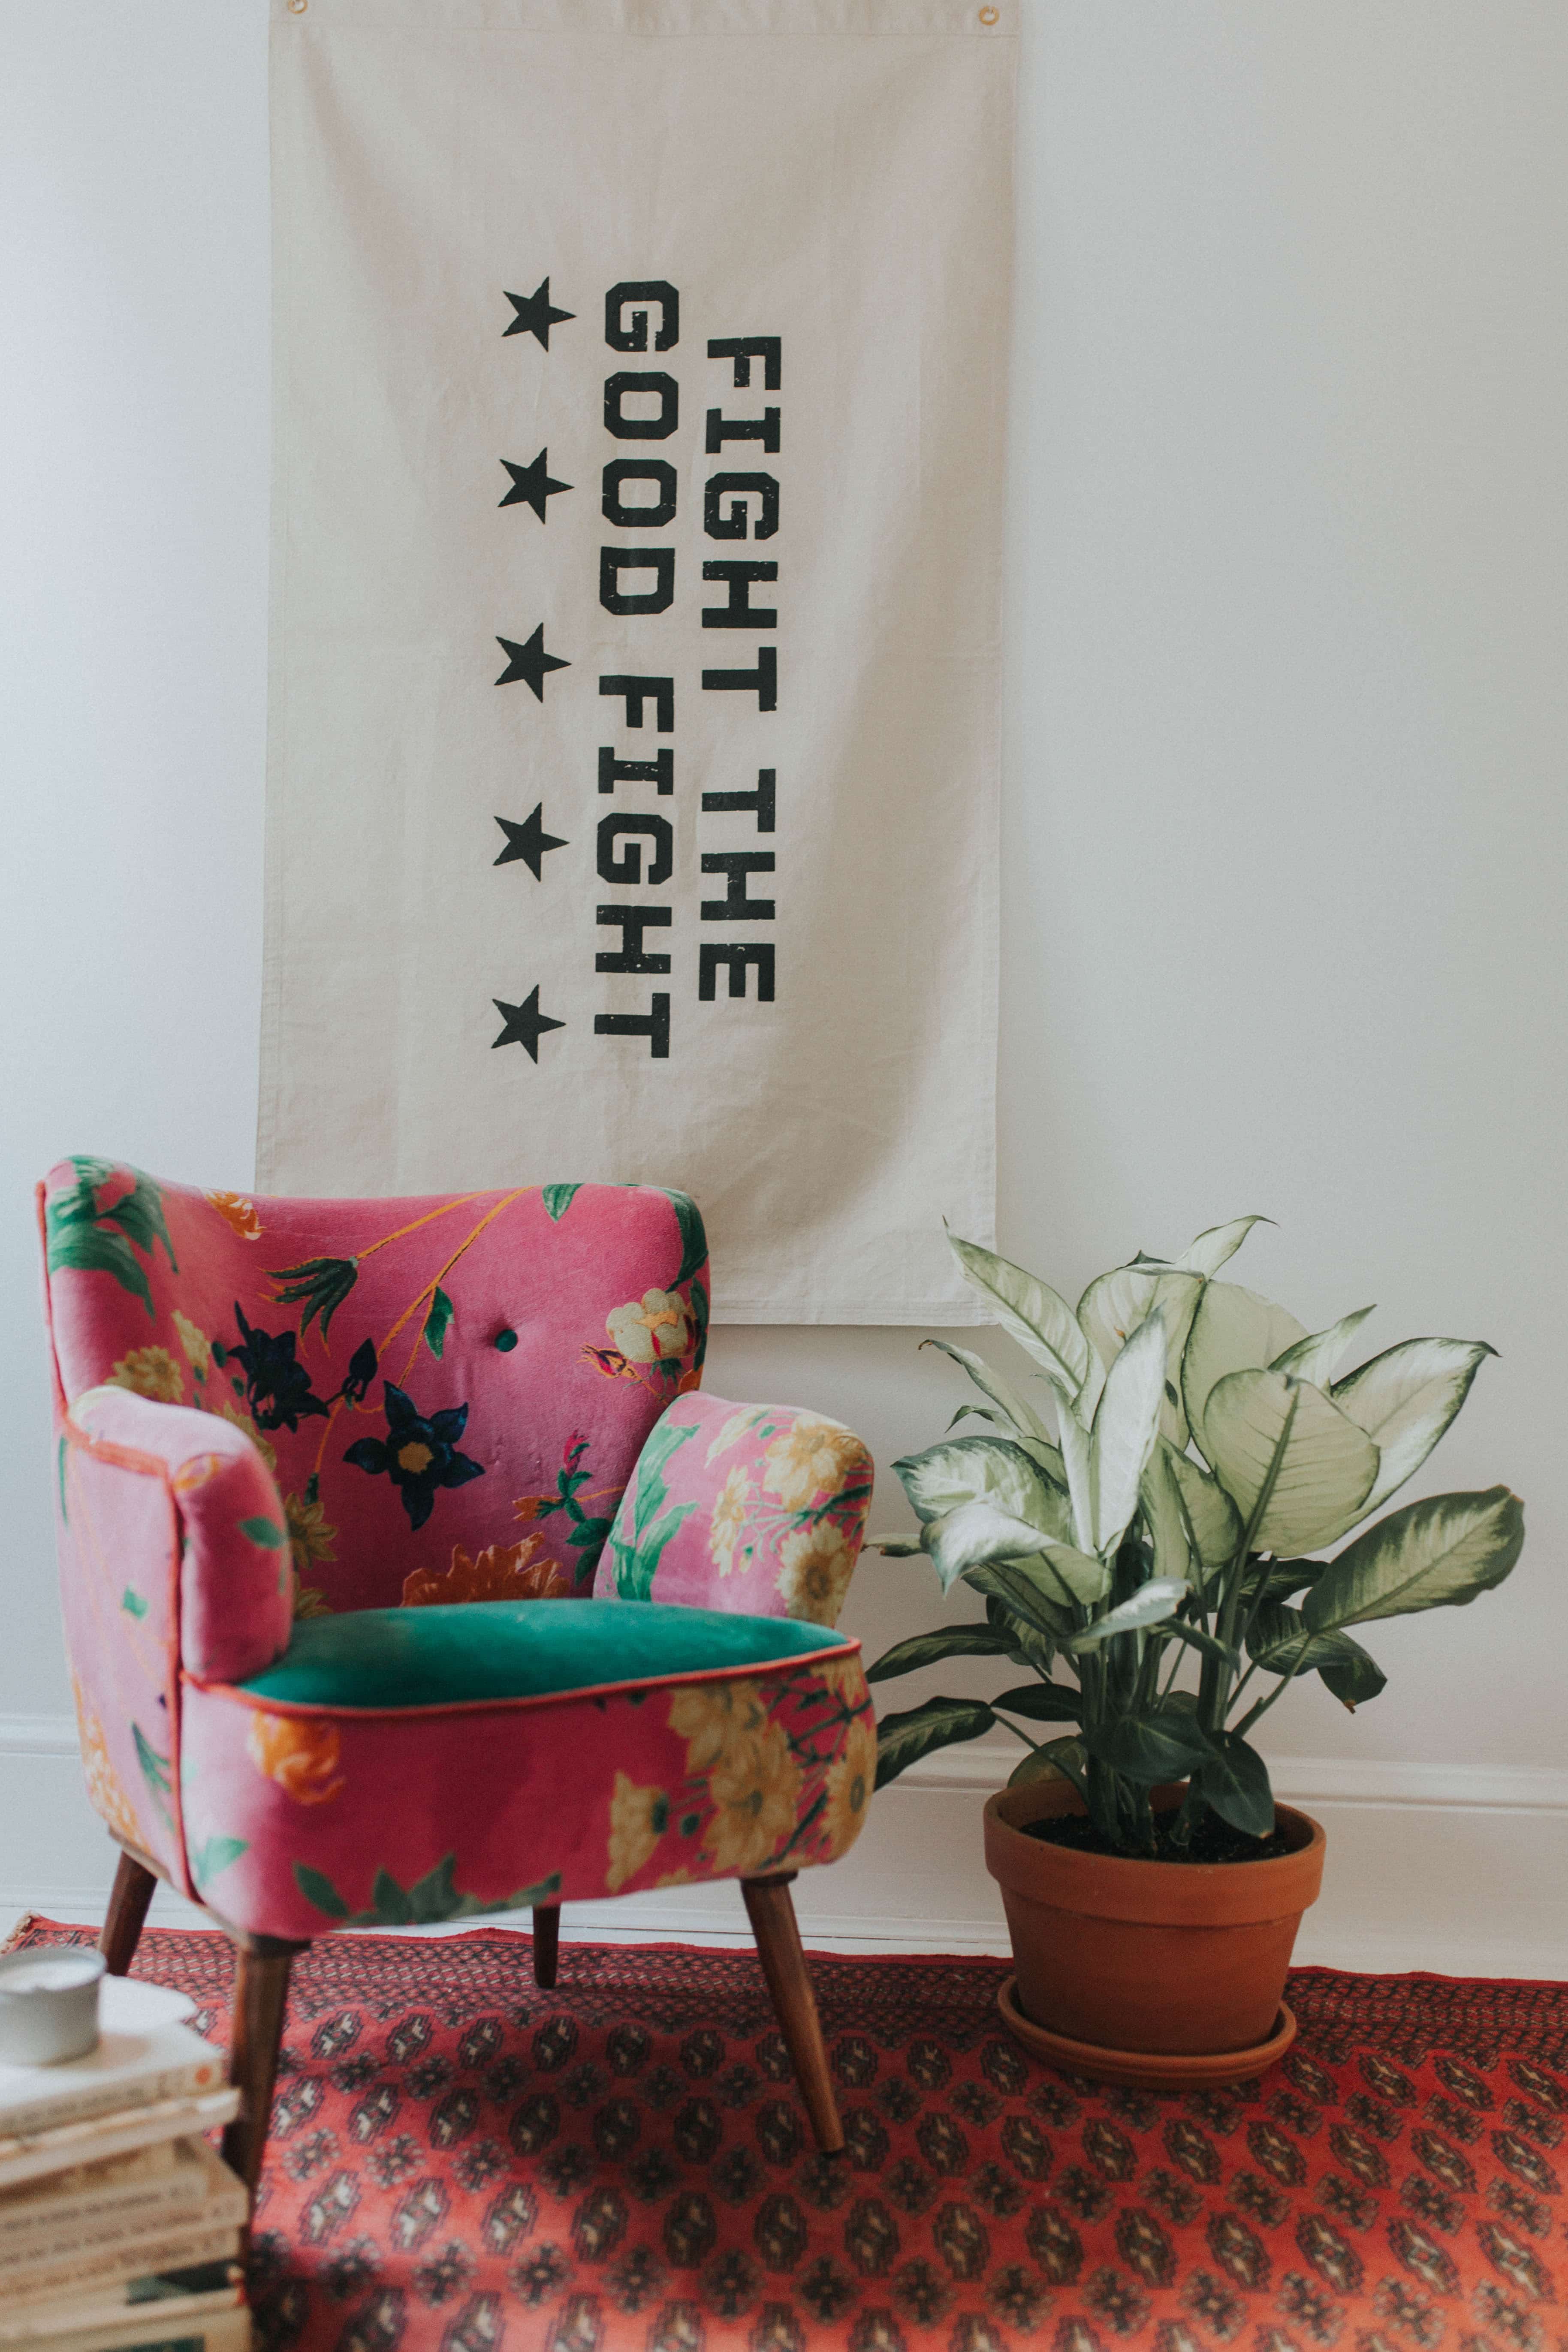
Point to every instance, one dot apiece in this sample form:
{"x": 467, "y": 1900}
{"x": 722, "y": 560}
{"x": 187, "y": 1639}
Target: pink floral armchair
{"x": 407, "y": 1574}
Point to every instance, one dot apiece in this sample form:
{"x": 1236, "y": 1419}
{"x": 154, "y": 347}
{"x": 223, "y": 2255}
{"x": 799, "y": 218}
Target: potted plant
{"x": 1152, "y": 1560}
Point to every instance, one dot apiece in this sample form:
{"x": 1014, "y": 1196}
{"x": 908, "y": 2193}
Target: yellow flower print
{"x": 729, "y": 1519}
{"x": 301, "y": 1753}
{"x": 103, "y": 1784}
{"x": 310, "y": 1601}
{"x": 657, "y": 1327}
{"x": 850, "y": 1780}
{"x": 713, "y": 1717}
{"x": 816, "y": 1566}
{"x": 814, "y": 1457}
{"x": 753, "y": 1781}
{"x": 638, "y": 1819}
{"x": 237, "y": 1212}
{"x": 150, "y": 1373}
{"x": 309, "y": 1537}
{"x": 198, "y": 1348}
{"x": 735, "y": 1428}
{"x": 755, "y": 1786}
{"x": 264, "y": 1446}
{"x": 843, "y": 1678}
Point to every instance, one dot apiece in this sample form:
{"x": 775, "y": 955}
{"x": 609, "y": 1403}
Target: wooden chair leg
{"x": 256, "y": 2029}
{"x": 772, "y": 1915}
{"x": 546, "y": 1942}
{"x": 127, "y": 1914}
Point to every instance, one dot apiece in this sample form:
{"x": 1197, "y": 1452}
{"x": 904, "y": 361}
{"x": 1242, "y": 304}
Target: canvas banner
{"x": 635, "y": 664}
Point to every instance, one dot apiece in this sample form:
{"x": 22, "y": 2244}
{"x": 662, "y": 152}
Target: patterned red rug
{"x": 461, "y": 2163}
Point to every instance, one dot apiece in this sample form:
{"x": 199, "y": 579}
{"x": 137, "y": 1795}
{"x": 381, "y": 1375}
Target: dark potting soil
{"x": 1212, "y": 1840}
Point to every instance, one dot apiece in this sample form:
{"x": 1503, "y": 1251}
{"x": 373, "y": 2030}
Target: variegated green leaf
{"x": 1125, "y": 1428}
{"x": 1234, "y": 1331}
{"x": 1115, "y": 1303}
{"x": 1324, "y": 1472}
{"x": 919, "y": 1650}
{"x": 991, "y": 1382}
{"x": 995, "y": 1470}
{"x": 1216, "y": 1247}
{"x": 1043, "y": 1324}
{"x": 975, "y": 1535}
{"x": 1317, "y": 1358}
{"x": 1439, "y": 1553}
{"x": 1150, "y": 1605}
{"x": 903, "y": 1739}
{"x": 1212, "y": 1521}
{"x": 1405, "y": 1399}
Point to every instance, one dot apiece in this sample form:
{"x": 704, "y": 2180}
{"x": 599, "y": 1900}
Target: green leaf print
{"x": 637, "y": 1558}
{"x": 558, "y": 1198}
{"x": 154, "y": 1771}
{"x": 217, "y": 1854}
{"x": 693, "y": 1239}
{"x": 431, "y": 1898}
{"x": 265, "y": 1532}
{"x": 437, "y": 1322}
{"x": 81, "y": 1237}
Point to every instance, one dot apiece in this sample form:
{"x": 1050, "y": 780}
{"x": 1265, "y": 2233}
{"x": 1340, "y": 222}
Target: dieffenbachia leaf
{"x": 1234, "y": 1781}
{"x": 1266, "y": 1434}
{"x": 1042, "y": 1703}
{"x": 1125, "y": 1428}
{"x": 1213, "y": 1523}
{"x": 1436, "y": 1554}
{"x": 1214, "y": 1247}
{"x": 1005, "y": 1582}
{"x": 1150, "y": 1605}
{"x": 1068, "y": 1575}
{"x": 1405, "y": 1400}
{"x": 975, "y": 1535}
{"x": 1164, "y": 1744}
{"x": 1115, "y": 1303}
{"x": 995, "y": 1470}
{"x": 928, "y": 1650}
{"x": 1043, "y": 1324}
{"x": 1282, "y": 1643}
{"x": 1164, "y": 1517}
{"x": 1317, "y": 1358}
{"x": 1018, "y": 1409}
{"x": 1058, "y": 1759}
{"x": 1234, "y": 1331}
{"x": 903, "y": 1739}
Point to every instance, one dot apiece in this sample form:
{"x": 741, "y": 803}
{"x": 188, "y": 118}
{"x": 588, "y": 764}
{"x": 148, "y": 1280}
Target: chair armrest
{"x": 755, "y": 1508}
{"x": 234, "y": 1581}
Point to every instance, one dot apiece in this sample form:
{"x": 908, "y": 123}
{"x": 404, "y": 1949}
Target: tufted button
{"x": 506, "y": 1339}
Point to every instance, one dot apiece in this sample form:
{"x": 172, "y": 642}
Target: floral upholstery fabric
{"x": 755, "y": 1508}
{"x": 309, "y": 1818}
{"x": 477, "y": 1371}
{"x": 275, "y": 1411}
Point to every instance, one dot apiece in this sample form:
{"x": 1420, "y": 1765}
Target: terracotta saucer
{"x": 1145, "y": 2070}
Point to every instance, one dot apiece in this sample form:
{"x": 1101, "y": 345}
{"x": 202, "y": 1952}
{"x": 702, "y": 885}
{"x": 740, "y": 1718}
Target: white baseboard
{"x": 1460, "y": 1870}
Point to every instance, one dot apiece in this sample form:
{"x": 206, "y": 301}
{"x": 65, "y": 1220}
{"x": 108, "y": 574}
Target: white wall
{"x": 1285, "y": 799}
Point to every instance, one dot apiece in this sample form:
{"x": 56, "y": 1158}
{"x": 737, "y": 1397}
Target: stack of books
{"x": 119, "y": 2228}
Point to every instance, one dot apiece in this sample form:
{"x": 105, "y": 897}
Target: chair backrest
{"x": 453, "y": 1386}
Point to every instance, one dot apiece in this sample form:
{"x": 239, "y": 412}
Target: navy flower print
{"x": 277, "y": 1387}
{"x": 418, "y": 1454}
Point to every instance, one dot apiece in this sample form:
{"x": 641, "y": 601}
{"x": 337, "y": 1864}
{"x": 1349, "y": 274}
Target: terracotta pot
{"x": 1180, "y": 1958}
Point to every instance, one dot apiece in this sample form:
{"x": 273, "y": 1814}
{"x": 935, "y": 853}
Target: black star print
{"x": 525, "y": 1024}
{"x": 535, "y": 313}
{"x": 528, "y": 841}
{"x": 531, "y": 484}
{"x": 529, "y": 662}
